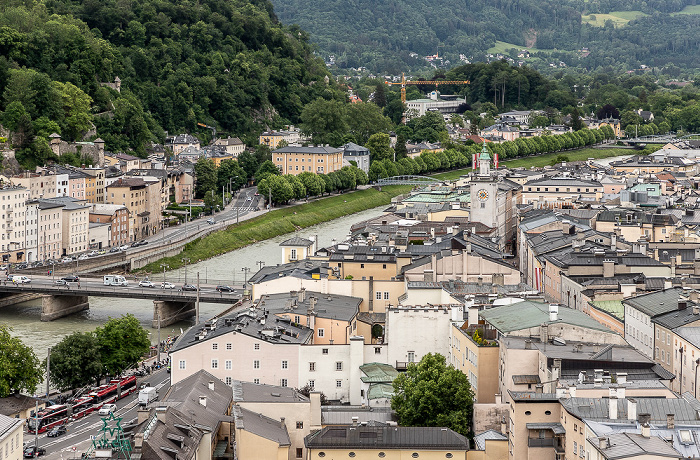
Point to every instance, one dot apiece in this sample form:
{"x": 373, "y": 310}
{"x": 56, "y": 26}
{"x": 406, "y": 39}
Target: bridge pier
{"x": 170, "y": 311}
{"x": 58, "y": 306}
{"x": 13, "y": 299}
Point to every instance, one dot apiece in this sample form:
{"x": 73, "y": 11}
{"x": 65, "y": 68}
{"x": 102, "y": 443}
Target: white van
{"x": 20, "y": 279}
{"x": 115, "y": 280}
{"x": 147, "y": 395}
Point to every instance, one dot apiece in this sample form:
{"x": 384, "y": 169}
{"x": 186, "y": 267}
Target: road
{"x": 79, "y": 431}
{"x": 43, "y": 284}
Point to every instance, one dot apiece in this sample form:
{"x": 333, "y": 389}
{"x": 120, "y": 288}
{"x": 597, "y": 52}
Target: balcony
{"x": 546, "y": 442}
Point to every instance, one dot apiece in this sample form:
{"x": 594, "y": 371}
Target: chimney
{"x": 560, "y": 392}
{"x": 632, "y": 409}
{"x": 142, "y": 415}
{"x": 696, "y": 310}
{"x": 544, "y": 336}
{"x": 613, "y": 241}
{"x": 539, "y": 388}
{"x": 302, "y": 295}
{"x": 455, "y": 229}
{"x": 498, "y": 279}
{"x": 644, "y": 419}
{"x": 603, "y": 443}
{"x": 203, "y": 401}
{"x": 670, "y": 421}
{"x": 682, "y": 303}
{"x": 694, "y": 295}
{"x": 211, "y": 385}
{"x": 315, "y": 406}
{"x": 553, "y": 312}
{"x": 504, "y": 426}
{"x": 312, "y": 304}
{"x": 646, "y": 430}
{"x": 621, "y": 378}
{"x": 355, "y": 419}
{"x": 528, "y": 344}
{"x": 480, "y": 281}
{"x": 572, "y": 391}
{"x": 612, "y": 408}
{"x": 621, "y": 391}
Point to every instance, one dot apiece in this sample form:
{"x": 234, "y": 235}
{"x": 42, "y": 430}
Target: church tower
{"x": 484, "y": 192}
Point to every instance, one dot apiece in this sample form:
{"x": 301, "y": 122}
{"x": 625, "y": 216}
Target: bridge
{"x": 170, "y": 305}
{"x": 661, "y": 139}
{"x": 408, "y": 180}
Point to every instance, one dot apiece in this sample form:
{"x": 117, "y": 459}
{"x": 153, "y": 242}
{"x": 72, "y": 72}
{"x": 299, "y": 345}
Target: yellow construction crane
{"x": 405, "y": 82}
{"x": 213, "y": 130}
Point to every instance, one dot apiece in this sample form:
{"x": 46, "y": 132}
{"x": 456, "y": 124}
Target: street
{"x": 78, "y": 438}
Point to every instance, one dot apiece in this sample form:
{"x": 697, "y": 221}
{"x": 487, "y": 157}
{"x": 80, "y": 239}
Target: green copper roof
{"x": 378, "y": 373}
{"x": 484, "y": 153}
{"x": 380, "y": 390}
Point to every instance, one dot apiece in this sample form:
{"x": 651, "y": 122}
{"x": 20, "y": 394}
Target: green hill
{"x": 226, "y": 63}
{"x": 389, "y": 36}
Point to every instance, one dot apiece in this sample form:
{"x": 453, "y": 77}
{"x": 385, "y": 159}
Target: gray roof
{"x": 327, "y": 305}
{"x": 677, "y": 318}
{"x": 402, "y": 437}
{"x": 488, "y": 435}
{"x": 353, "y": 149}
{"x": 185, "y": 394}
{"x": 308, "y": 149}
{"x": 297, "y": 241}
{"x": 563, "y": 182}
{"x": 527, "y": 314}
{"x": 260, "y": 425}
{"x": 172, "y": 434}
{"x": 658, "y": 408}
{"x": 556, "y": 428}
{"x": 656, "y": 303}
{"x": 8, "y": 424}
{"x": 67, "y": 202}
{"x": 13, "y": 404}
{"x": 253, "y": 392}
{"x": 691, "y": 334}
{"x": 298, "y": 269}
{"x": 626, "y": 445}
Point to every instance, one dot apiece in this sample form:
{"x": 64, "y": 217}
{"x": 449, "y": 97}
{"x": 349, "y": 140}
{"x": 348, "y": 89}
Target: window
{"x": 339, "y": 366}
{"x": 321, "y": 454}
{"x": 257, "y": 346}
{"x": 256, "y": 364}
{"x": 300, "y": 452}
{"x": 300, "y": 425}
{"x": 229, "y": 381}
{"x": 312, "y": 384}
{"x": 379, "y": 296}
{"x": 362, "y": 265}
{"x": 312, "y": 367}
{"x": 320, "y": 334}
{"x": 384, "y": 266}
{"x": 381, "y": 455}
{"x": 284, "y": 364}
{"x": 324, "y": 351}
{"x": 283, "y": 383}
{"x": 214, "y": 363}
{"x": 182, "y": 364}
{"x": 414, "y": 455}
{"x": 214, "y": 346}
{"x": 338, "y": 383}
{"x": 351, "y": 454}
{"x": 293, "y": 254}
{"x": 377, "y": 351}
{"x": 228, "y": 365}
{"x": 229, "y": 346}
{"x": 256, "y": 381}
{"x": 548, "y": 412}
{"x": 411, "y": 357}
{"x": 574, "y": 447}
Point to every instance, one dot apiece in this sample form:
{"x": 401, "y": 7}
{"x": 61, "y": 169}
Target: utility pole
{"x": 158, "y": 336}
{"x": 48, "y": 368}
{"x": 261, "y": 264}
{"x": 164, "y": 266}
{"x": 36, "y": 425}
{"x": 186, "y": 260}
{"x": 269, "y": 197}
{"x": 245, "y": 271}
{"x": 196, "y": 307}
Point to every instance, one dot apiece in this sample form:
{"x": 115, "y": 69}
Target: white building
{"x": 13, "y": 205}
{"x": 11, "y": 437}
{"x": 639, "y": 329}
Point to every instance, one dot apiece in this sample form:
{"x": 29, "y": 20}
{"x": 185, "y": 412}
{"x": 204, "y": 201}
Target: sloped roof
{"x": 401, "y": 437}
{"x": 260, "y": 425}
{"x": 656, "y": 303}
{"x": 489, "y": 435}
{"x": 378, "y": 373}
{"x": 627, "y": 445}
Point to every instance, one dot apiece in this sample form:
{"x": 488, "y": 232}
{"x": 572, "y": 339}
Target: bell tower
{"x": 484, "y": 192}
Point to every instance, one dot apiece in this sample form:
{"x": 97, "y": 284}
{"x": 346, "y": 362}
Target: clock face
{"x": 483, "y": 195}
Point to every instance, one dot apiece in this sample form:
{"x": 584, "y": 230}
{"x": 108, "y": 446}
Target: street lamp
{"x": 245, "y": 271}
{"x": 186, "y": 260}
{"x": 164, "y": 266}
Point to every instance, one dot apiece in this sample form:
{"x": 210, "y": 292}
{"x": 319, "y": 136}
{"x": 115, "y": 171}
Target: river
{"x": 226, "y": 268}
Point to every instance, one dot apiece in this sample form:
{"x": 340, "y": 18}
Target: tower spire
{"x": 484, "y": 161}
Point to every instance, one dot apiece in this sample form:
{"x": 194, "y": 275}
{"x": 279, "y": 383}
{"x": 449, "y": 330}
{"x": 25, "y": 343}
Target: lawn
{"x": 281, "y": 221}
{"x": 690, "y": 9}
{"x": 619, "y": 18}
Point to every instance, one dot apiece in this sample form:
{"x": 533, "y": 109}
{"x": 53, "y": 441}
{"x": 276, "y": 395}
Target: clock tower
{"x": 484, "y": 192}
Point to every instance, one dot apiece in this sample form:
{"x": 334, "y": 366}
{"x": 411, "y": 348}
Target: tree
{"x": 324, "y": 121}
{"x": 379, "y": 146}
{"x": 400, "y": 147}
{"x": 230, "y": 171}
{"x": 377, "y": 171}
{"x": 76, "y": 361}
{"x": 122, "y": 342}
{"x": 430, "y": 393}
{"x": 576, "y": 122}
{"x": 210, "y": 201}
{"x": 19, "y": 366}
{"x": 313, "y": 184}
{"x": 297, "y": 186}
{"x": 608, "y": 111}
{"x": 366, "y": 119}
{"x": 249, "y": 163}
{"x": 379, "y": 97}
{"x": 266, "y": 169}
{"x": 205, "y": 174}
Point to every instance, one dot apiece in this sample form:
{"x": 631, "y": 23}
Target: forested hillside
{"x": 229, "y": 64}
{"x": 380, "y": 35}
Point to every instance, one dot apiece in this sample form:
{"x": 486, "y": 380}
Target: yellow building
{"x": 11, "y": 437}
{"x": 389, "y": 442}
{"x": 94, "y": 185}
{"x": 296, "y": 248}
{"x": 273, "y": 138}
{"x": 476, "y": 361}
{"x": 296, "y": 160}
{"x": 258, "y": 436}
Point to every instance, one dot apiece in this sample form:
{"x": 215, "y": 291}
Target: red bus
{"x": 48, "y": 418}
{"x": 127, "y": 386}
{"x": 104, "y": 394}
{"x": 82, "y": 407}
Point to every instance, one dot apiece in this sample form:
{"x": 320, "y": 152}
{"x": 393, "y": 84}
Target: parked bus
{"x": 48, "y": 418}
{"x": 115, "y": 280}
{"x": 82, "y": 407}
{"x": 112, "y": 391}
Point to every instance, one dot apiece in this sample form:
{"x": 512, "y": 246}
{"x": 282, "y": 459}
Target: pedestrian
{"x": 78, "y": 284}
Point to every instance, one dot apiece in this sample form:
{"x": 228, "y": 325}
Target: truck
{"x": 115, "y": 280}
{"x": 147, "y": 395}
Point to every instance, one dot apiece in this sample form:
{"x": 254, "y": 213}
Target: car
{"x": 257, "y": 194}
{"x": 92, "y": 254}
{"x": 211, "y": 221}
{"x": 189, "y": 287}
{"x": 248, "y": 198}
{"x": 143, "y": 243}
{"x": 83, "y": 257}
{"x": 66, "y": 260}
{"x": 57, "y": 431}
{"x": 147, "y": 283}
{"x": 71, "y": 278}
{"x": 107, "y": 409}
{"x": 167, "y": 285}
{"x": 21, "y": 266}
{"x": 60, "y": 283}
{"x": 34, "y": 451}
{"x": 101, "y": 252}
{"x": 123, "y": 247}
{"x": 115, "y": 249}
{"x": 223, "y": 288}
